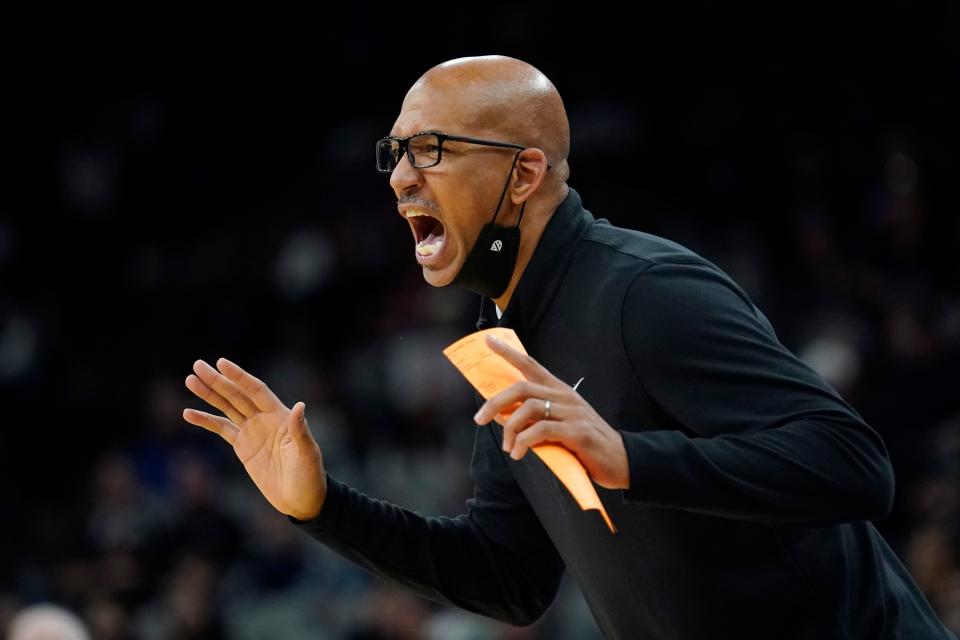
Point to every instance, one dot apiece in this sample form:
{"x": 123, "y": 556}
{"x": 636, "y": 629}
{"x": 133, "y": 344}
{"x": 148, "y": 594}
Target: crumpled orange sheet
{"x": 490, "y": 374}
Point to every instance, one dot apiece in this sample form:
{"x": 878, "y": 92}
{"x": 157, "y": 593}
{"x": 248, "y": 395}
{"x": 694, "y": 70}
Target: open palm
{"x": 273, "y": 442}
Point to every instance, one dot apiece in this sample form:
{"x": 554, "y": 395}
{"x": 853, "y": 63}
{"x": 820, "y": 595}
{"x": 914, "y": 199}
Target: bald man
{"x": 46, "y": 622}
{"x": 741, "y": 484}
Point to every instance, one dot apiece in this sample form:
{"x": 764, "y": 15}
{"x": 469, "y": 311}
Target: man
{"x": 740, "y": 483}
{"x": 46, "y": 622}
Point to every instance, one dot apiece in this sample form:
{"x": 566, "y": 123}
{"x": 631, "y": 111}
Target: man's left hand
{"x": 571, "y": 422}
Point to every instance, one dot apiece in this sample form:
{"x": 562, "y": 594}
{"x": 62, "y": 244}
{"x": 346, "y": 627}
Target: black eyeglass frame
{"x": 441, "y": 137}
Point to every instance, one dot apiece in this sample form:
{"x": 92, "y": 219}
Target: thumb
{"x": 298, "y": 420}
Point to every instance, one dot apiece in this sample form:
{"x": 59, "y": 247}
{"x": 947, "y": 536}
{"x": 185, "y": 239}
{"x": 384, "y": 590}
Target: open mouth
{"x": 427, "y": 233}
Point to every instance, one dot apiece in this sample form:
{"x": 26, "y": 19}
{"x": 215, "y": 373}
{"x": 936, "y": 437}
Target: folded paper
{"x": 490, "y": 374}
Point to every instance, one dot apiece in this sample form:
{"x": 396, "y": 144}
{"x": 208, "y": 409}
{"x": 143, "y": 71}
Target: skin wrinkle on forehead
{"x": 502, "y": 98}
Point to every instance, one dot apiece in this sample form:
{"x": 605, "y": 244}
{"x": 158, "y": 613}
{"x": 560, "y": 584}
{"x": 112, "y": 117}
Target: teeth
{"x": 415, "y": 214}
{"x": 425, "y": 248}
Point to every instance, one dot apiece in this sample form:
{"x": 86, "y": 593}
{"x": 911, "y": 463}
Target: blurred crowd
{"x": 170, "y": 540}
{"x": 166, "y": 205}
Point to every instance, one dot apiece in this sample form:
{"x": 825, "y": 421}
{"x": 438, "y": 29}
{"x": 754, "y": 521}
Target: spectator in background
{"x": 47, "y": 622}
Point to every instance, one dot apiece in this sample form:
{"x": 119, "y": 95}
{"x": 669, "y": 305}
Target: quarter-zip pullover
{"x": 752, "y": 483}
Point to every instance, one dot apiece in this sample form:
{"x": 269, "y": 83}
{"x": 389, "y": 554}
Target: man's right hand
{"x": 273, "y": 442}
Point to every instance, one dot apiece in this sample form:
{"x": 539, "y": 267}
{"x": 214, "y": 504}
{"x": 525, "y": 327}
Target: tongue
{"x": 435, "y": 234}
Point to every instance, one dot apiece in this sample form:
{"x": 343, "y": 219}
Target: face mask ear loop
{"x": 505, "y": 185}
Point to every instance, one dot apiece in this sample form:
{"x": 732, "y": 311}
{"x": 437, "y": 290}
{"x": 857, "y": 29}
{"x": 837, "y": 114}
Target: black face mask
{"x": 490, "y": 263}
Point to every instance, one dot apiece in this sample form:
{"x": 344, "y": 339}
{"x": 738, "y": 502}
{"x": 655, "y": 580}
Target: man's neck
{"x": 528, "y": 243}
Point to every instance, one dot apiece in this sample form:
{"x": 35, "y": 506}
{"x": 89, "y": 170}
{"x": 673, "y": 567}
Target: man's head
{"x": 46, "y": 622}
{"x": 491, "y": 98}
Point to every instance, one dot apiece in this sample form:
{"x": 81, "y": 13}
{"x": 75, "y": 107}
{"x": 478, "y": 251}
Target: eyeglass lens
{"x": 424, "y": 149}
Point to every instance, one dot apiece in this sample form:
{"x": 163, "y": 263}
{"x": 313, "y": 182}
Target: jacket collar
{"x": 545, "y": 271}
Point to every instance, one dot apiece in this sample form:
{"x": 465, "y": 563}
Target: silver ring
{"x": 546, "y": 409}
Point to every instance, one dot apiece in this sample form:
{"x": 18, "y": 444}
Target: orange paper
{"x": 490, "y": 374}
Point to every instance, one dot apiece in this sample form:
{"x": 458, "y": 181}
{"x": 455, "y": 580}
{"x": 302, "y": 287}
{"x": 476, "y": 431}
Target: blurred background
{"x": 187, "y": 182}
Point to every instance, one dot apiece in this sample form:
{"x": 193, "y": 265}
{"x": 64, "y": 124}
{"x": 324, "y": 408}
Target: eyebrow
{"x": 393, "y": 135}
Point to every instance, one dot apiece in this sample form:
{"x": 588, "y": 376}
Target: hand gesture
{"x": 273, "y": 442}
{"x": 568, "y": 420}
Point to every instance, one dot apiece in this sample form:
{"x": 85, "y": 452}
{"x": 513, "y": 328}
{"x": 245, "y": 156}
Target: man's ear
{"x": 529, "y": 173}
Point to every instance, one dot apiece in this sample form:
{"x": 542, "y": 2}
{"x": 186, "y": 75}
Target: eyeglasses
{"x": 423, "y": 149}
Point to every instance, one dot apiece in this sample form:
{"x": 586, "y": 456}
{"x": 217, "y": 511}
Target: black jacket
{"x": 751, "y": 482}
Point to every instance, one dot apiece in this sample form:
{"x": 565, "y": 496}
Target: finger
{"x": 211, "y": 397}
{"x": 509, "y": 399}
{"x": 298, "y": 420}
{"x": 538, "y": 433}
{"x": 530, "y": 368}
{"x": 219, "y": 425}
{"x": 531, "y": 411}
{"x": 256, "y": 389}
{"x": 225, "y": 387}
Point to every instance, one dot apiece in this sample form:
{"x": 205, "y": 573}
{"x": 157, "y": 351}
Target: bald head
{"x": 503, "y": 98}
{"x": 47, "y": 622}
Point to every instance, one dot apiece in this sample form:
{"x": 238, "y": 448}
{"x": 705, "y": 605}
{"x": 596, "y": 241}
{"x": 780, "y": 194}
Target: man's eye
{"x": 430, "y": 150}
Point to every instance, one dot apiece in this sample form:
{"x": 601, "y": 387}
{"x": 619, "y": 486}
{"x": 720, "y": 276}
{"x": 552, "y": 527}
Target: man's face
{"x": 446, "y": 205}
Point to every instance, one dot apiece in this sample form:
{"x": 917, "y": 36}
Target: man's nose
{"x": 405, "y": 176}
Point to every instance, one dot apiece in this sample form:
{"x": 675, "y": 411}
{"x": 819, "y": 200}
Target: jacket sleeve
{"x": 495, "y": 559}
{"x": 760, "y": 436}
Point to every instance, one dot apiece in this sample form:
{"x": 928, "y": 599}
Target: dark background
{"x": 183, "y": 183}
